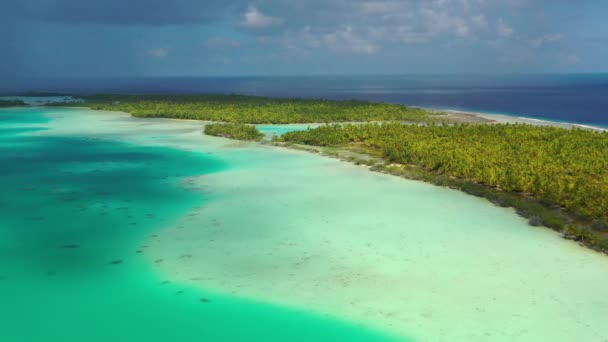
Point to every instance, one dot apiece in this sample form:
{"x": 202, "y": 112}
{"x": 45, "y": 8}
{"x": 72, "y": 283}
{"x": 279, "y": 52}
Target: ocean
{"x": 577, "y": 98}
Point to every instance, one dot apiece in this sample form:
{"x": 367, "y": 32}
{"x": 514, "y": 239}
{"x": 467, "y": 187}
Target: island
{"x": 234, "y": 131}
{"x": 252, "y": 109}
{"x": 554, "y": 176}
{"x": 11, "y": 103}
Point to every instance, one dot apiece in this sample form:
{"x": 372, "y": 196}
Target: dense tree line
{"x": 236, "y": 131}
{"x": 11, "y": 103}
{"x": 253, "y": 109}
{"x": 568, "y": 168}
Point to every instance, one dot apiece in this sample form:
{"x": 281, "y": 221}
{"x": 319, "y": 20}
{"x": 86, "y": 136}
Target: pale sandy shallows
{"x": 401, "y": 256}
{"x": 474, "y": 117}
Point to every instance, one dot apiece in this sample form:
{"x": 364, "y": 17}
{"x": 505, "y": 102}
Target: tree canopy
{"x": 236, "y": 131}
{"x": 566, "y": 167}
{"x": 11, "y": 103}
{"x": 253, "y": 109}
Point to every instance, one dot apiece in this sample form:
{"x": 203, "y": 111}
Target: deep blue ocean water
{"x": 580, "y": 98}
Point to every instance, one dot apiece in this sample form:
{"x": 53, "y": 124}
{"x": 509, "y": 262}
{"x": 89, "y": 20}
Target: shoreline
{"x": 455, "y": 115}
{"x": 467, "y": 116}
{"x": 498, "y": 198}
{"x": 417, "y": 174}
{"x": 215, "y": 235}
{"x": 330, "y": 261}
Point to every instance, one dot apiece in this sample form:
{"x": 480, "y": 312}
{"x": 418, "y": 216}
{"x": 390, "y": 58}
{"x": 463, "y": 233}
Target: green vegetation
{"x": 553, "y": 176}
{"x": 252, "y": 109}
{"x": 11, "y": 103}
{"x": 236, "y": 131}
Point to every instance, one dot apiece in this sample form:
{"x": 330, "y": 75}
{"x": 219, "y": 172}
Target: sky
{"x": 131, "y": 38}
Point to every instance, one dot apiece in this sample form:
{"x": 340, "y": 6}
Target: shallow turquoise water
{"x": 74, "y": 212}
{"x": 261, "y": 223}
{"x": 278, "y": 130}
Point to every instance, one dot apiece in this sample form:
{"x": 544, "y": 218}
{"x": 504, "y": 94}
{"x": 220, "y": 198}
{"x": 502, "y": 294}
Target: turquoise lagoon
{"x": 113, "y": 227}
{"x": 75, "y": 212}
{"x": 278, "y": 130}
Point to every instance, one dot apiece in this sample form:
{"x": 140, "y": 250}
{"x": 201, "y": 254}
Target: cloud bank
{"x": 267, "y": 36}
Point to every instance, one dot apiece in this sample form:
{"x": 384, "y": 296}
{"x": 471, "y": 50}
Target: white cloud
{"x": 159, "y": 52}
{"x": 382, "y": 7}
{"x": 255, "y": 19}
{"x": 472, "y": 4}
{"x": 479, "y": 21}
{"x": 503, "y": 29}
{"x": 402, "y": 34}
{"x": 548, "y": 38}
{"x": 461, "y": 27}
{"x": 438, "y": 20}
{"x": 369, "y": 26}
{"x": 341, "y": 40}
{"x": 346, "y": 40}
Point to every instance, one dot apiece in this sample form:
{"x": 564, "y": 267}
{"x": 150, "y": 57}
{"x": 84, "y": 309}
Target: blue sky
{"x": 271, "y": 37}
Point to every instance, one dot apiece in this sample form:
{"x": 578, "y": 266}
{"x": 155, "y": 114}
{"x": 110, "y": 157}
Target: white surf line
{"x": 515, "y": 117}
